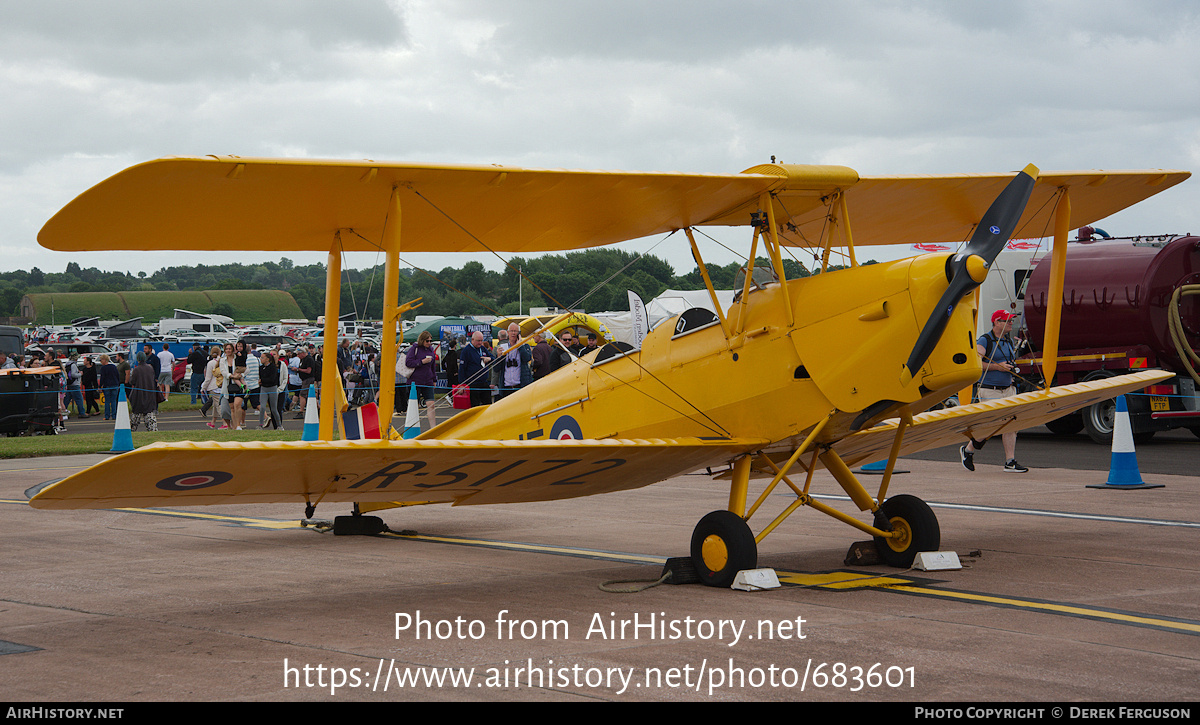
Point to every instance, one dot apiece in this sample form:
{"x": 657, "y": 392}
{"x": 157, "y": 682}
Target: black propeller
{"x": 967, "y": 269}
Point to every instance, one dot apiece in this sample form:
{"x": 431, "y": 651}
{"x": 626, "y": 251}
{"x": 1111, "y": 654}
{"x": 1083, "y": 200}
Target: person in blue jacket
{"x": 471, "y": 363}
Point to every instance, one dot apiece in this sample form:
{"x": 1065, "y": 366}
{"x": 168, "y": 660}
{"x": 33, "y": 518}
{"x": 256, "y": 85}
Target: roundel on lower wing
{"x": 565, "y": 428}
{"x": 194, "y": 480}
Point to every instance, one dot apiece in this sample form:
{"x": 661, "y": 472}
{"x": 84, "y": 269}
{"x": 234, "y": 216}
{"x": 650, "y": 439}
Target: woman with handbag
{"x": 231, "y": 390}
{"x": 143, "y": 395}
{"x": 210, "y": 391}
{"x": 421, "y": 360}
{"x": 268, "y": 380}
{"x": 109, "y": 383}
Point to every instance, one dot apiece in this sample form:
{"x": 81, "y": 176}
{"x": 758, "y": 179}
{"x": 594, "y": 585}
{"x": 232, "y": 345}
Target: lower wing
{"x": 982, "y": 420}
{"x": 413, "y": 471}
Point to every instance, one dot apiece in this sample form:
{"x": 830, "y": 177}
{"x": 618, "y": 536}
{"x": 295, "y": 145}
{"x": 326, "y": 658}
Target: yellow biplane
{"x": 825, "y": 372}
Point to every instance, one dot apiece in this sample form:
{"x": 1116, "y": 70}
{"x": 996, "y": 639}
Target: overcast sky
{"x": 90, "y": 88}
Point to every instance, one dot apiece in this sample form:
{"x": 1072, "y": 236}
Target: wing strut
{"x": 712, "y": 293}
{"x": 329, "y": 371}
{"x": 1058, "y": 265}
{"x": 391, "y": 311}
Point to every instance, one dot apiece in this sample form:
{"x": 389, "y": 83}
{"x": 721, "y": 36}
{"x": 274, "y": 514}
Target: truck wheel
{"x": 1066, "y": 425}
{"x": 1195, "y": 430}
{"x": 1098, "y": 421}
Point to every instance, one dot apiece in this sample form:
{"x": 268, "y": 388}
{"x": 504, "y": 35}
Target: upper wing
{"x": 913, "y": 209}
{"x": 981, "y": 420}
{"x": 233, "y": 203}
{"x": 448, "y": 471}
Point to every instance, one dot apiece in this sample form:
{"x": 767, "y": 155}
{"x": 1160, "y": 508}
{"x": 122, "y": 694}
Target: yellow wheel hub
{"x": 901, "y": 536}
{"x": 715, "y": 554}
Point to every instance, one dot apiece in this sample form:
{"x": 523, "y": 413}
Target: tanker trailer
{"x": 1129, "y": 303}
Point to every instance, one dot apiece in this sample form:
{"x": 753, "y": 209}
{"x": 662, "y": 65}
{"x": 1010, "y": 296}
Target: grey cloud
{"x": 218, "y": 39}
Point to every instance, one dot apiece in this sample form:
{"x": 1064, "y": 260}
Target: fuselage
{"x": 763, "y": 376}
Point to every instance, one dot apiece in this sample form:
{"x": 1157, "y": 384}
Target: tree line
{"x": 593, "y": 280}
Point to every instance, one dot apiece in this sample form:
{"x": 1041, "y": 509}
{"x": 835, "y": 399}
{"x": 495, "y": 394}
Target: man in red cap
{"x": 998, "y": 357}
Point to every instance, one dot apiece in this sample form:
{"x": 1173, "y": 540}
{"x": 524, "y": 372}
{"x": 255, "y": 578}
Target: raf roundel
{"x": 193, "y": 481}
{"x": 566, "y": 428}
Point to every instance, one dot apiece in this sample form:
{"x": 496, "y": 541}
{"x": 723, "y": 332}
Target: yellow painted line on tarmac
{"x": 1070, "y": 610}
{"x": 839, "y": 579}
{"x": 842, "y": 580}
{"x": 260, "y": 523}
{"x": 536, "y": 548}
{"x": 252, "y": 522}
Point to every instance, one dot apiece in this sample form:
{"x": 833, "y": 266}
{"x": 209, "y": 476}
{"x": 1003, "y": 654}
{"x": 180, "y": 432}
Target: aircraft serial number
{"x": 565, "y": 471}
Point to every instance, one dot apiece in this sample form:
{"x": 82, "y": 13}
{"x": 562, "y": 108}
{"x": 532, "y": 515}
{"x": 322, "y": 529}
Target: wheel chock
{"x": 937, "y": 561}
{"x": 754, "y": 580}
{"x": 862, "y": 553}
{"x": 681, "y": 569}
{"x": 358, "y": 526}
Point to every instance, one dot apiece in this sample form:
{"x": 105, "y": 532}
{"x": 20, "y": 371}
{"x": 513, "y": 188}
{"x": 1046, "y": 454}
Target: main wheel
{"x": 917, "y": 526}
{"x": 722, "y": 545}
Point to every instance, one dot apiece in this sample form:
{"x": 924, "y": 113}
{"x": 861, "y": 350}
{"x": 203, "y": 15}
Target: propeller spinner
{"x": 967, "y": 269}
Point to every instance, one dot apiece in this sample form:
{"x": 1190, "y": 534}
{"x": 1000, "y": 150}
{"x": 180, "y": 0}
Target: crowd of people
{"x": 237, "y": 381}
{"x": 85, "y": 380}
{"x": 493, "y": 372}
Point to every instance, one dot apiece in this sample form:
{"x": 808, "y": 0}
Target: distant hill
{"x": 45, "y": 308}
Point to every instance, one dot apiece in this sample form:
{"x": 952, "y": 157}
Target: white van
{"x": 205, "y": 326}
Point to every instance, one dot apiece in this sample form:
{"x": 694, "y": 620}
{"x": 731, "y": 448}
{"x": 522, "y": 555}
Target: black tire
{"x": 1099, "y": 418}
{"x": 1195, "y": 430}
{"x": 1098, "y": 421}
{"x": 722, "y": 545}
{"x": 1067, "y": 425}
{"x": 922, "y": 533}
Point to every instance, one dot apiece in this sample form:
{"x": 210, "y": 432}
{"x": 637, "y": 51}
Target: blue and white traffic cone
{"x": 412, "y": 418}
{"x": 1123, "y": 470}
{"x": 122, "y": 434}
{"x": 312, "y": 417}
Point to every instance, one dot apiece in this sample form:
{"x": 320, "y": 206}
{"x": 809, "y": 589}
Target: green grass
{"x": 248, "y": 305}
{"x": 177, "y": 402}
{"x": 62, "y": 307}
{"x": 155, "y": 305}
{"x": 69, "y": 445}
{"x": 257, "y": 304}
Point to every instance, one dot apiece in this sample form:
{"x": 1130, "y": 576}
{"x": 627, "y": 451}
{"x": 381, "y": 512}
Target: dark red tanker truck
{"x": 1119, "y": 297}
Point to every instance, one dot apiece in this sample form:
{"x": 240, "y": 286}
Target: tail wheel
{"x": 722, "y": 545}
{"x": 917, "y": 527}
